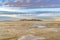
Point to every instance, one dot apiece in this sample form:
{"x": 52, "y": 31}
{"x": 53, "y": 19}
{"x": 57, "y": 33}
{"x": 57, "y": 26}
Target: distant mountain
{"x": 30, "y": 20}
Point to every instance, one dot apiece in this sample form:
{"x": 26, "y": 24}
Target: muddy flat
{"x": 30, "y": 30}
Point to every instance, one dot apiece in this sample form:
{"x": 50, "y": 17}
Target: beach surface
{"x": 30, "y": 30}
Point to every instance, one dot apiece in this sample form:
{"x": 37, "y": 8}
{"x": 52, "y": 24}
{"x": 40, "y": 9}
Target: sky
{"x": 46, "y": 10}
{"x": 31, "y": 3}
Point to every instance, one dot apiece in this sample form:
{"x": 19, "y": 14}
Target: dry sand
{"x": 26, "y": 30}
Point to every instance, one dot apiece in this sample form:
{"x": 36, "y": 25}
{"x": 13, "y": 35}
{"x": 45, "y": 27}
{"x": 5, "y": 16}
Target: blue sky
{"x": 31, "y": 10}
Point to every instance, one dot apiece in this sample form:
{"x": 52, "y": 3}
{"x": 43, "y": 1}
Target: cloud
{"x": 44, "y": 16}
{"x": 28, "y": 3}
{"x": 47, "y": 14}
{"x": 18, "y": 16}
{"x": 30, "y": 13}
{"x": 7, "y": 9}
{"x": 8, "y": 15}
{"x": 11, "y": 9}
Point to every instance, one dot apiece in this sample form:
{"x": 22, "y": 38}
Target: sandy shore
{"x": 30, "y": 30}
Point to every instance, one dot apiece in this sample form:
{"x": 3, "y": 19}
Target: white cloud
{"x": 28, "y": 10}
{"x": 48, "y": 14}
{"x": 21, "y": 16}
{"x": 15, "y": 16}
